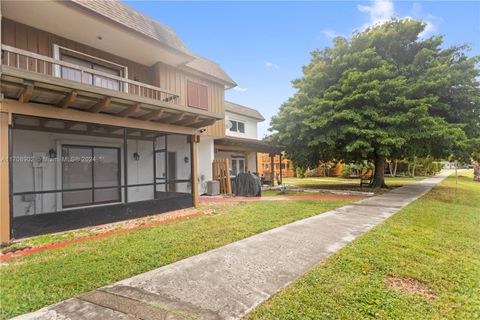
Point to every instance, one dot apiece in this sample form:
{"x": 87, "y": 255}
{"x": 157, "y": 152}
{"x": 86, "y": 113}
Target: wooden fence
{"x": 221, "y": 173}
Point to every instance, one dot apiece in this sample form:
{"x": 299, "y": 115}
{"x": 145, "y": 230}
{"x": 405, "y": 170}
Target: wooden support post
{"x": 152, "y": 115}
{"x": 174, "y": 118}
{"x": 228, "y": 189}
{"x": 4, "y": 177}
{"x": 26, "y": 92}
{"x": 68, "y": 100}
{"x": 187, "y": 122}
{"x": 129, "y": 111}
{"x": 101, "y": 105}
{"x": 196, "y": 196}
{"x": 281, "y": 164}
{"x": 272, "y": 169}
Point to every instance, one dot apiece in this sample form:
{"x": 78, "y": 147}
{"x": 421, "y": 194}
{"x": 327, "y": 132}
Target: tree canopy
{"x": 384, "y": 93}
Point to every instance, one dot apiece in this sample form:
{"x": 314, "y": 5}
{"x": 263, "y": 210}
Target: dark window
{"x": 237, "y": 166}
{"x": 241, "y": 127}
{"x": 237, "y": 126}
{"x": 234, "y": 126}
{"x": 92, "y": 173}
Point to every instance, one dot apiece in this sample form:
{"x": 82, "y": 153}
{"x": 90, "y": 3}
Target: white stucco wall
{"x": 48, "y": 176}
{"x": 205, "y": 156}
{"x": 252, "y": 162}
{"x": 250, "y": 126}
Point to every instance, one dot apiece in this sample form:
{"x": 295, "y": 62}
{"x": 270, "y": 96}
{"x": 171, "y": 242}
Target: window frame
{"x": 235, "y": 123}
{"x": 57, "y": 69}
{"x": 237, "y": 165}
{"x": 92, "y": 188}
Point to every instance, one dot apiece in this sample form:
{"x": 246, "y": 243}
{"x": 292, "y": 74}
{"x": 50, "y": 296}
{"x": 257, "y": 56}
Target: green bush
{"x": 419, "y": 167}
{"x": 355, "y": 169}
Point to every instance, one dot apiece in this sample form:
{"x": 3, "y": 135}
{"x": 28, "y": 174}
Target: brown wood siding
{"x": 177, "y": 80}
{"x": 197, "y": 95}
{"x": 27, "y": 38}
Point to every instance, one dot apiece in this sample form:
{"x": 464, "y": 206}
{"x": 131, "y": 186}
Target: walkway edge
{"x": 230, "y": 281}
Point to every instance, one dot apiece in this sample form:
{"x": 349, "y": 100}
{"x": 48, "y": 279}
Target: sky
{"x": 263, "y": 45}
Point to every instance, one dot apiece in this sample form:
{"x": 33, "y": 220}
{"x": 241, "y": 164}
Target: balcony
{"x": 30, "y": 77}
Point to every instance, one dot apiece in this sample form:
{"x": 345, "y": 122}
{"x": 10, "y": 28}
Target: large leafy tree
{"x": 384, "y": 93}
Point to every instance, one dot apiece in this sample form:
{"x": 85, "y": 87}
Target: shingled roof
{"x": 211, "y": 68}
{"x": 122, "y": 14}
{"x": 242, "y": 110}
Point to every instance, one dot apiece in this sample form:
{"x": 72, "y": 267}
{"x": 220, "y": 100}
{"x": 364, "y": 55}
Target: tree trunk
{"x": 395, "y": 170}
{"x": 390, "y": 168}
{"x": 378, "y": 180}
{"x": 476, "y": 171}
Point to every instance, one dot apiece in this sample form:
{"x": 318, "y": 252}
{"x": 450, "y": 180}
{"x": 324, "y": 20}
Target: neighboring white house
{"x": 239, "y": 145}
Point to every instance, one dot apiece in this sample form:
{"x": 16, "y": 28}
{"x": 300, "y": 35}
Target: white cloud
{"x": 271, "y": 65}
{"x": 379, "y": 12}
{"x": 329, "y": 33}
{"x": 430, "y": 29}
{"x": 240, "y": 89}
{"x": 431, "y": 21}
{"x": 416, "y": 9}
{"x": 383, "y": 10}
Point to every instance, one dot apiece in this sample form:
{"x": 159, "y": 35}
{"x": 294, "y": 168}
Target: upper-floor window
{"x": 197, "y": 95}
{"x": 237, "y": 126}
{"x": 89, "y": 62}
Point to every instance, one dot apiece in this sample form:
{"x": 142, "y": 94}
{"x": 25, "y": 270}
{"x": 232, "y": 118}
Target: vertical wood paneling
{"x": 4, "y": 179}
{"x": 41, "y": 42}
{"x": 162, "y": 75}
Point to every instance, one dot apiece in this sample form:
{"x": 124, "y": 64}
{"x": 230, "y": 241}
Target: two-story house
{"x": 240, "y": 144}
{"x": 105, "y": 115}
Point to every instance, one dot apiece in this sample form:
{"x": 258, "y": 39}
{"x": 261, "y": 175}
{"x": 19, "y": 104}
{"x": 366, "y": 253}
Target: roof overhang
{"x": 247, "y": 145}
{"x": 70, "y": 21}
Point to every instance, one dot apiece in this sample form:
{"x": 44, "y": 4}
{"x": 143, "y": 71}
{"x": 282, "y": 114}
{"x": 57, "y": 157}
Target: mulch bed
{"x": 106, "y": 231}
{"x": 278, "y": 198}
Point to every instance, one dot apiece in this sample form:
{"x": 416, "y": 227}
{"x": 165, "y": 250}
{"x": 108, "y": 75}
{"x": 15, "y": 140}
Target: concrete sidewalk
{"x": 230, "y": 281}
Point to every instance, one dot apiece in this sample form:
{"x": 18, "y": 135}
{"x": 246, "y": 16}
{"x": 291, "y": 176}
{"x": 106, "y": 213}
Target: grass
{"x": 269, "y": 193}
{"x": 349, "y": 184}
{"x": 49, "y": 238}
{"x": 435, "y": 240}
{"x": 34, "y": 281}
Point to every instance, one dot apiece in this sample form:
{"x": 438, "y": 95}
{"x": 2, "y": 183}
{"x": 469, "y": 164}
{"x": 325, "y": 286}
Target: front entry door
{"x": 172, "y": 171}
{"x": 237, "y": 166}
{"x": 160, "y": 174}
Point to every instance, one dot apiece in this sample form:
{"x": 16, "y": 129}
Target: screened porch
{"x": 68, "y": 175}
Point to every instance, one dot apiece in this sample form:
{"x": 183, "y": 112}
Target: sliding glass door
{"x": 90, "y": 175}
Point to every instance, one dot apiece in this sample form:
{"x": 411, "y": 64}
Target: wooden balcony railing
{"x": 32, "y": 62}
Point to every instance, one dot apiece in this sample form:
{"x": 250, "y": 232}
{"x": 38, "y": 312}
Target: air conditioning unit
{"x": 213, "y": 188}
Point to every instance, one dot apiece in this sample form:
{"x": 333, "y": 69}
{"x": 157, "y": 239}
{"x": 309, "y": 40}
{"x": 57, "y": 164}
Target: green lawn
{"x": 349, "y": 184}
{"x": 35, "y": 281}
{"x": 269, "y": 193}
{"x": 435, "y": 240}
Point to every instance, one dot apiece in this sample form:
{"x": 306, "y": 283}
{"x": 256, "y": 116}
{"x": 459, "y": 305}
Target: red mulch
{"x": 32, "y": 250}
{"x": 274, "y": 198}
{"x": 29, "y": 251}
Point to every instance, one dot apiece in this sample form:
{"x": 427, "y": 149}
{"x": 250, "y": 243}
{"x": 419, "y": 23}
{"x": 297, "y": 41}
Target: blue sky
{"x": 263, "y": 45}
